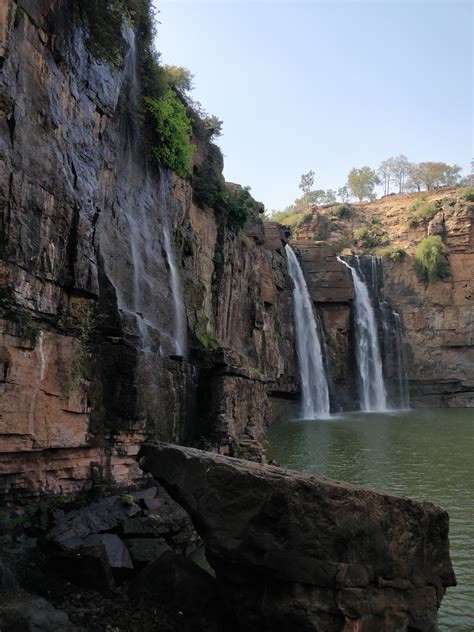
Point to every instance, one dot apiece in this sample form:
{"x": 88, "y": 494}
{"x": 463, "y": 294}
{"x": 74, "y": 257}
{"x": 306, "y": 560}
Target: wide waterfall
{"x": 372, "y": 393}
{"x": 313, "y": 376}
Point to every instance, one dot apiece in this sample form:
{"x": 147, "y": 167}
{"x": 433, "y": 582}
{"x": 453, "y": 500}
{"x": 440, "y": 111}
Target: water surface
{"x": 425, "y": 454}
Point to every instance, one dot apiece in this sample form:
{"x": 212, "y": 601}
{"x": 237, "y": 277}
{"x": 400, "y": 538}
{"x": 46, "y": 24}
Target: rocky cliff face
{"x": 89, "y": 364}
{"x": 437, "y": 317}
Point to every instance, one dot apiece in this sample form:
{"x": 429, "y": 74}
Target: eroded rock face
{"x": 301, "y": 552}
{"x": 87, "y": 360}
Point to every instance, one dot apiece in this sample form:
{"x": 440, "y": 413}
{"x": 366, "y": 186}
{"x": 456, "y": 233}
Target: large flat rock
{"x": 290, "y": 549}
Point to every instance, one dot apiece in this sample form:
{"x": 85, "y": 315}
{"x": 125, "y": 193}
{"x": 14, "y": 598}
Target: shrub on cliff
{"x": 233, "y": 204}
{"x": 431, "y": 263}
{"x": 422, "y": 212}
{"x": 370, "y": 237}
{"x": 342, "y": 211}
{"x": 170, "y": 132}
{"x": 467, "y": 193}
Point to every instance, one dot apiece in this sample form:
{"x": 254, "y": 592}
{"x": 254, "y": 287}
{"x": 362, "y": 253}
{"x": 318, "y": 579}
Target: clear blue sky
{"x": 326, "y": 85}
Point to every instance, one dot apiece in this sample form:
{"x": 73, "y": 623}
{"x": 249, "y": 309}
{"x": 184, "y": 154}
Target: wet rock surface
{"x": 307, "y": 553}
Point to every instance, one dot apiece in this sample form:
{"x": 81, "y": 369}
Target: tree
{"x": 328, "y": 197}
{"x": 415, "y": 177}
{"x": 385, "y": 175}
{"x": 307, "y": 181}
{"x": 179, "y": 78}
{"x": 362, "y": 182}
{"x": 437, "y": 174}
{"x": 213, "y": 125}
{"x": 400, "y": 168}
{"x": 343, "y": 193}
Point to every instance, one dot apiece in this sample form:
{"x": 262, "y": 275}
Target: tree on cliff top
{"x": 362, "y": 182}
{"x": 307, "y": 182}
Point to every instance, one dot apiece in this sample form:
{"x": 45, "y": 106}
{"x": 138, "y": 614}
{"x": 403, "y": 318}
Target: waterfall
{"x": 369, "y": 362}
{"x": 177, "y": 295}
{"x": 313, "y": 377}
{"x": 401, "y": 364}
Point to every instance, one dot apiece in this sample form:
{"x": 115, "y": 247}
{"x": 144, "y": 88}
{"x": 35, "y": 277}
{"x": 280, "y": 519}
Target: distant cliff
{"x": 438, "y": 317}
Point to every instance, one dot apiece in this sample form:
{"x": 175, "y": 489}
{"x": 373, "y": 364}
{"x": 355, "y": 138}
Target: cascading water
{"x": 177, "y": 294}
{"x": 373, "y": 397}
{"x": 370, "y": 267}
{"x": 401, "y": 364}
{"x": 313, "y": 377}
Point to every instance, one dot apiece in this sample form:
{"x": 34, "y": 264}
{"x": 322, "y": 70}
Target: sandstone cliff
{"x": 438, "y": 318}
{"x": 89, "y": 367}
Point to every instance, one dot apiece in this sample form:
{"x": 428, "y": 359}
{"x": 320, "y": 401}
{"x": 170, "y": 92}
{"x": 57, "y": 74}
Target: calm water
{"x": 426, "y": 454}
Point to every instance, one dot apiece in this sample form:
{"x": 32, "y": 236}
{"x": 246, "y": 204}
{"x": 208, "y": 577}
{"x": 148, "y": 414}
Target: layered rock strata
{"x": 301, "y": 552}
{"x": 88, "y": 365}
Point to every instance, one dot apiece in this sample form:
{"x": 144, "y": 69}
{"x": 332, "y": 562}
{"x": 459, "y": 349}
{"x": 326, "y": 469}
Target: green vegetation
{"x": 104, "y": 20}
{"x": 466, "y": 193}
{"x": 171, "y": 139}
{"x": 431, "y": 263}
{"x": 394, "y": 254}
{"x": 233, "y": 203}
{"x": 370, "y": 237}
{"x": 323, "y": 228}
{"x": 342, "y": 244}
{"x": 342, "y": 211}
{"x": 362, "y": 182}
{"x": 411, "y": 176}
{"x": 208, "y": 340}
{"x": 19, "y": 17}
{"x": 422, "y": 212}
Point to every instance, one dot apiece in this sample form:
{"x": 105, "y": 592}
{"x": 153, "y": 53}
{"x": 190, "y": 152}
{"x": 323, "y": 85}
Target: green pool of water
{"x": 425, "y": 454}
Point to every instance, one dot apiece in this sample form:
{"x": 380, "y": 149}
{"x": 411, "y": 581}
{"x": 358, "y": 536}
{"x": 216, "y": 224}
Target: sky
{"x": 326, "y": 85}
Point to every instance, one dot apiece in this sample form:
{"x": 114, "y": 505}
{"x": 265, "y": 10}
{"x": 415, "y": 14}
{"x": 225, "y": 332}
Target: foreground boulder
{"x": 297, "y": 552}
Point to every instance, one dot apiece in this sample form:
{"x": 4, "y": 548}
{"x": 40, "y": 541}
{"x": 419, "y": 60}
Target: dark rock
{"x": 307, "y": 550}
{"x": 117, "y": 553}
{"x": 8, "y": 582}
{"x": 71, "y": 529}
{"x": 144, "y": 550}
{"x": 21, "y": 612}
{"x": 175, "y": 582}
{"x": 86, "y": 566}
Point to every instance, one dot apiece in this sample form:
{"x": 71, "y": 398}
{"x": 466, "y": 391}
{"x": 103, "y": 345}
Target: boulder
{"x": 21, "y": 612}
{"x": 144, "y": 550}
{"x": 175, "y": 582}
{"x": 72, "y": 529}
{"x": 292, "y": 551}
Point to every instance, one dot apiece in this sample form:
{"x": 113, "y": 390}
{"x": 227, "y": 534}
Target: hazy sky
{"x": 326, "y": 85}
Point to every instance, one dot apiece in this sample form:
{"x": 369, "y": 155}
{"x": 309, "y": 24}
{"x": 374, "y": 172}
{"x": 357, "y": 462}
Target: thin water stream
{"x": 425, "y": 454}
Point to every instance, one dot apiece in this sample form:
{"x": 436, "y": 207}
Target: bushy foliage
{"x": 232, "y": 202}
{"x": 238, "y": 205}
{"x": 362, "y": 182}
{"x": 342, "y": 211}
{"x": 171, "y": 132}
{"x": 431, "y": 263}
{"x": 370, "y": 237}
{"x": 394, "y": 254}
{"x": 104, "y": 21}
{"x": 422, "y": 211}
{"x": 467, "y": 193}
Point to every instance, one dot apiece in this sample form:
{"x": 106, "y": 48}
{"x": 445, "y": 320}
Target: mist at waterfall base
{"x": 314, "y": 384}
{"x": 425, "y": 454}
